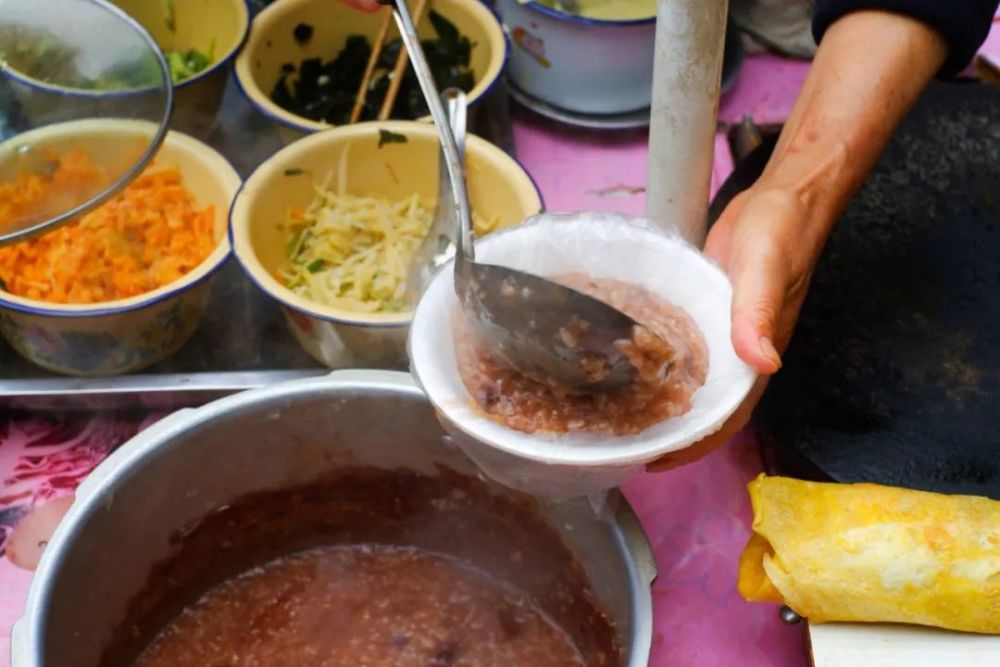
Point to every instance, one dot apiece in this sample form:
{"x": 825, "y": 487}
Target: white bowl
{"x": 601, "y": 245}
{"x": 580, "y": 64}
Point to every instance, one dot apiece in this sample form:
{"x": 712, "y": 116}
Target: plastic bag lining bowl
{"x": 600, "y": 245}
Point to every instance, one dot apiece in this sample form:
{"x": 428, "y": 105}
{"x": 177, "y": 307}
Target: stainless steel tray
{"x": 242, "y": 341}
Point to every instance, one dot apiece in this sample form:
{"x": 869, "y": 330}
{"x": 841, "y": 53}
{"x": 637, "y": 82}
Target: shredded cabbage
{"x": 354, "y": 252}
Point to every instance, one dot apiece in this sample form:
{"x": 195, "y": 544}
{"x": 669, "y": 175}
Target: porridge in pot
{"x": 363, "y": 605}
{"x": 368, "y": 567}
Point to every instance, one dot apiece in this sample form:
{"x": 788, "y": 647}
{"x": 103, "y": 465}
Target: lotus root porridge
{"x": 665, "y": 378}
{"x": 363, "y": 606}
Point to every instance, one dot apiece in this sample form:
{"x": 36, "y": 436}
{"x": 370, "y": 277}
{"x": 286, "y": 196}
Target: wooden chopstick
{"x": 383, "y": 32}
{"x": 400, "y": 68}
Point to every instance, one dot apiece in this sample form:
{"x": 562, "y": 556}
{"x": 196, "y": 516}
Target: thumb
{"x": 759, "y": 275}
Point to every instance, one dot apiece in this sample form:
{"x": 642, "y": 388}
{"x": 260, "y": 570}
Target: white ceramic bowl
{"x": 579, "y": 64}
{"x": 601, "y": 245}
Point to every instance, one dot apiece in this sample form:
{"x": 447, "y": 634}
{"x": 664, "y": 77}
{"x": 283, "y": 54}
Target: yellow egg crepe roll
{"x": 869, "y": 553}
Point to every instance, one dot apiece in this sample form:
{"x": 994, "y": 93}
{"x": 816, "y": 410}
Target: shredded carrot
{"x": 150, "y": 234}
{"x": 33, "y": 196}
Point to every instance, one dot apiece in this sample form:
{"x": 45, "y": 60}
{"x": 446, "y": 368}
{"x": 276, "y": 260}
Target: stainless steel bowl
{"x": 196, "y": 461}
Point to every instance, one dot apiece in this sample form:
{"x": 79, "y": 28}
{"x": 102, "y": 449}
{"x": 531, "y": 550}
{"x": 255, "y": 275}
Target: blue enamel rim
{"x": 582, "y": 20}
{"x": 472, "y": 105}
{"x": 328, "y": 318}
{"x": 101, "y": 311}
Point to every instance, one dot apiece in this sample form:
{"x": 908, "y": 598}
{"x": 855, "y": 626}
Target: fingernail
{"x": 769, "y": 352}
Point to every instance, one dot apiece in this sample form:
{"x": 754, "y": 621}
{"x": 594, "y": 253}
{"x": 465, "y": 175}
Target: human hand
{"x": 761, "y": 241}
{"x": 363, "y": 5}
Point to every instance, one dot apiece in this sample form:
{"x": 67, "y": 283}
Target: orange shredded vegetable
{"x": 150, "y": 234}
{"x": 33, "y": 197}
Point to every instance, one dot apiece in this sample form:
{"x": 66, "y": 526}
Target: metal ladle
{"x": 540, "y": 328}
{"x": 438, "y": 246}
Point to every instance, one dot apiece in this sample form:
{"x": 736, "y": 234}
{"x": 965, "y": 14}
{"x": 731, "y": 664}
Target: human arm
{"x": 869, "y": 69}
{"x": 964, "y": 24}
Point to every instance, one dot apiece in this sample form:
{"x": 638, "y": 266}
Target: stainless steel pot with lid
{"x": 197, "y": 461}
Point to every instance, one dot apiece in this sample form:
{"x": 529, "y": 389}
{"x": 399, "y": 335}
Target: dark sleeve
{"x": 964, "y": 23}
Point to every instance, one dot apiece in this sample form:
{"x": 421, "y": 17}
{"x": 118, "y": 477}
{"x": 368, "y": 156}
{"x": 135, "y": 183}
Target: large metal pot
{"x": 197, "y": 461}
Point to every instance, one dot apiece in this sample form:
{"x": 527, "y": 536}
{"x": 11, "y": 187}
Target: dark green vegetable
{"x": 168, "y": 15}
{"x": 294, "y": 171}
{"x": 302, "y": 33}
{"x": 326, "y": 91}
{"x": 185, "y": 64}
{"x": 387, "y": 137}
{"x": 315, "y": 265}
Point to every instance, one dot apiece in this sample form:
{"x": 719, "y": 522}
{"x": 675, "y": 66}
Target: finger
{"x": 758, "y": 271}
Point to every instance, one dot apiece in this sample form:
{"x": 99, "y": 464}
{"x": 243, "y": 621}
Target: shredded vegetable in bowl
{"x": 354, "y": 252}
{"x": 147, "y": 236}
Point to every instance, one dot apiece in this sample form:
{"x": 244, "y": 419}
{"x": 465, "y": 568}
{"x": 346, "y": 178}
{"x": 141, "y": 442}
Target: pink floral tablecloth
{"x": 697, "y": 517}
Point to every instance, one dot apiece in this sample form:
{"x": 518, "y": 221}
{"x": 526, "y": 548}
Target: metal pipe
{"x": 687, "y": 71}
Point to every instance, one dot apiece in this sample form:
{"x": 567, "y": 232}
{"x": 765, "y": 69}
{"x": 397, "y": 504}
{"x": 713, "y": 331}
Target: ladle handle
{"x": 408, "y": 32}
{"x": 447, "y": 225}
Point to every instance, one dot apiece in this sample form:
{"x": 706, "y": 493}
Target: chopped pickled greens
{"x": 387, "y": 137}
{"x": 186, "y": 64}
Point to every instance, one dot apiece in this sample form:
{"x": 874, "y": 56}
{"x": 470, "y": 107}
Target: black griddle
{"x": 893, "y": 375}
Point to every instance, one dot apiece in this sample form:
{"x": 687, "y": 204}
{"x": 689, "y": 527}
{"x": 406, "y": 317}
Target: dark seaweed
{"x": 387, "y": 137}
{"x": 302, "y": 33}
{"x": 326, "y": 91}
{"x": 294, "y": 171}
